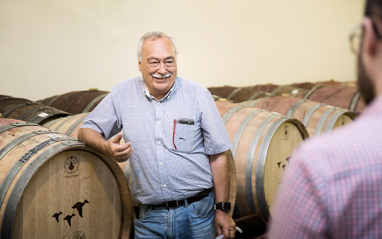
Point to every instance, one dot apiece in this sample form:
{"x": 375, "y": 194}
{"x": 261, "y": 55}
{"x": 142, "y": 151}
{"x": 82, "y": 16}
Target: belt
{"x": 177, "y": 203}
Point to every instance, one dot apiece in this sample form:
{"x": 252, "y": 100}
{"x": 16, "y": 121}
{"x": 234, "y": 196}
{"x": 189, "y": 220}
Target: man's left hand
{"x": 225, "y": 224}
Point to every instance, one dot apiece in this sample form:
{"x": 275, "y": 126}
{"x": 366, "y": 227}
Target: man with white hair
{"x": 176, "y": 147}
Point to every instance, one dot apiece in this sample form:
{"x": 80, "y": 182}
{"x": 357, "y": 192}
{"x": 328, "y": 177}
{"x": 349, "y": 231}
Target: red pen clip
{"x": 173, "y": 133}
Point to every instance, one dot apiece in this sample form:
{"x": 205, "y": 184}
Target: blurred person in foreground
{"x": 332, "y": 187}
{"x": 176, "y": 147}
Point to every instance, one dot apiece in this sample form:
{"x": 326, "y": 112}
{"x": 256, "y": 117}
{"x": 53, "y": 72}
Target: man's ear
{"x": 370, "y": 40}
{"x": 139, "y": 65}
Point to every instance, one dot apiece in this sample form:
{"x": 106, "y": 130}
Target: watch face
{"x": 224, "y": 206}
{"x": 227, "y": 206}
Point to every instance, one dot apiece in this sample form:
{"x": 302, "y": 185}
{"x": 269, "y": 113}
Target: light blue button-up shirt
{"x": 170, "y": 160}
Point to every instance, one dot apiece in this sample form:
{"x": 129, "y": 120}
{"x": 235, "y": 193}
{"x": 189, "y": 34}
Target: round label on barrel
{"x": 71, "y": 165}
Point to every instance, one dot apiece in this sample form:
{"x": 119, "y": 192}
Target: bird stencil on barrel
{"x": 69, "y": 218}
{"x": 79, "y": 206}
{"x": 57, "y": 215}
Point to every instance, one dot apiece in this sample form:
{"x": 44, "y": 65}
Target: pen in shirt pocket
{"x": 180, "y": 121}
{"x": 186, "y": 121}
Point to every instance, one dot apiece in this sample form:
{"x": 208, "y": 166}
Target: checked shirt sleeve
{"x": 104, "y": 118}
{"x": 299, "y": 208}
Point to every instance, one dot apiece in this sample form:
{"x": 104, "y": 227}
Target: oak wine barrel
{"x": 265, "y": 87}
{"x": 218, "y": 98}
{"x": 290, "y": 91}
{"x": 304, "y": 85}
{"x": 243, "y": 94}
{"x": 26, "y": 110}
{"x": 53, "y": 186}
{"x": 316, "y": 117}
{"x": 68, "y": 125}
{"x": 240, "y": 94}
{"x": 77, "y": 101}
{"x": 310, "y": 85}
{"x": 222, "y": 91}
{"x": 262, "y": 143}
{"x": 334, "y": 82}
{"x": 342, "y": 96}
{"x": 6, "y": 101}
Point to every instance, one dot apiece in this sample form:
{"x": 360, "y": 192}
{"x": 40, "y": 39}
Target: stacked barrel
{"x": 262, "y": 144}
{"x": 342, "y": 95}
{"x": 77, "y": 101}
{"x": 23, "y": 109}
{"x": 301, "y": 110}
{"x": 51, "y": 184}
{"x": 265, "y": 124}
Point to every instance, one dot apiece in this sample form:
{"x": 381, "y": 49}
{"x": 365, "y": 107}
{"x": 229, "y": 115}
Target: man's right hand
{"x": 113, "y": 148}
{"x": 119, "y": 152}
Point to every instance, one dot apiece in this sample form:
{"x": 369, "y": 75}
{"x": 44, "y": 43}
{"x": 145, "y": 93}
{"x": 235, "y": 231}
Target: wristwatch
{"x": 223, "y": 206}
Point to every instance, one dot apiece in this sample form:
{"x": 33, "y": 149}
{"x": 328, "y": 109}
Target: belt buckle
{"x": 168, "y": 206}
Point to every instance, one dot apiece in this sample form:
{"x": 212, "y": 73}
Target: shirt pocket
{"x": 186, "y": 137}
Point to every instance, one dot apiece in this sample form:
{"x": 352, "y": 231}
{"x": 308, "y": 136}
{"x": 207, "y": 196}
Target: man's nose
{"x": 162, "y": 69}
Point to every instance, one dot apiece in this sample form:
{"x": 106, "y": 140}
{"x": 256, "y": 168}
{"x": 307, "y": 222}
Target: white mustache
{"x": 159, "y": 76}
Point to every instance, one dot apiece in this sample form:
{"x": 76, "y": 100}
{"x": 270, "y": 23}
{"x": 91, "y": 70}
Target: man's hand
{"x": 225, "y": 224}
{"x": 119, "y": 152}
{"x": 112, "y": 147}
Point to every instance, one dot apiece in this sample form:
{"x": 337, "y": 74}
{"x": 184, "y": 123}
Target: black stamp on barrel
{"x": 71, "y": 166}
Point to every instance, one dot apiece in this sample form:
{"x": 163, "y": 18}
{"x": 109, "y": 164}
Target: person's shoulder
{"x": 126, "y": 84}
{"x": 129, "y": 81}
{"x": 331, "y": 141}
{"x": 192, "y": 85}
{"x": 336, "y": 149}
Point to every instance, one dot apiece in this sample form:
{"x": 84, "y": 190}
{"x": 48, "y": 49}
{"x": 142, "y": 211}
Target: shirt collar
{"x": 147, "y": 93}
{"x": 145, "y": 90}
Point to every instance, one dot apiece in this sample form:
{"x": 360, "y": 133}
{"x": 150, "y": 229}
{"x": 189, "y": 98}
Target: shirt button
{"x": 159, "y": 142}
{"x": 161, "y": 164}
{"x": 159, "y": 122}
{"x": 158, "y": 102}
{"x": 164, "y": 186}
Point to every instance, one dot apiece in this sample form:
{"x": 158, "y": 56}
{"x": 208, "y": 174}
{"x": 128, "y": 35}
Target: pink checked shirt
{"x": 332, "y": 187}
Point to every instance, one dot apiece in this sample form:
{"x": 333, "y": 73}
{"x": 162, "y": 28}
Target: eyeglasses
{"x": 356, "y": 36}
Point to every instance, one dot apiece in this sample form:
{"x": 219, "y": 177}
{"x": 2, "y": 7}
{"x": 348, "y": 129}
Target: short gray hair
{"x": 153, "y": 35}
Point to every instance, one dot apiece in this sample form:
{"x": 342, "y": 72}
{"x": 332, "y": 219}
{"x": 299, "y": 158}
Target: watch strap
{"x": 223, "y": 206}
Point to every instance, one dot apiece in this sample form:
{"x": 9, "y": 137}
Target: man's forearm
{"x": 93, "y": 139}
{"x": 220, "y": 176}
{"x": 221, "y": 179}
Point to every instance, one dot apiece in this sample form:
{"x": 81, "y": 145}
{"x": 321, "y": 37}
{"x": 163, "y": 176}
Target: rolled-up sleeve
{"x": 105, "y": 118}
{"x": 216, "y": 138}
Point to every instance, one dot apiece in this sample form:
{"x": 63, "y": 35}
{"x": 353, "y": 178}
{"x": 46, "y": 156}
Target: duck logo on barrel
{"x": 71, "y": 165}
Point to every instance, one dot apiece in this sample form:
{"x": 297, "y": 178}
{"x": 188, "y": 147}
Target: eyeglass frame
{"x": 354, "y": 32}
